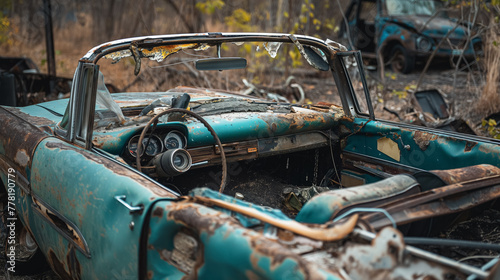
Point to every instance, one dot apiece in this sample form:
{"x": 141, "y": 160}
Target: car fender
{"x": 83, "y": 230}
{"x": 392, "y": 34}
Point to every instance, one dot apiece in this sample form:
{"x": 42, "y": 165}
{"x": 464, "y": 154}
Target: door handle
{"x": 132, "y": 209}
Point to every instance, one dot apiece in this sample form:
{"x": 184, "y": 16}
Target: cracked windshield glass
{"x": 276, "y": 71}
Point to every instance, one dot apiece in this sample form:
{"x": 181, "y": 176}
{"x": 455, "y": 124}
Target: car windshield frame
{"x": 326, "y": 50}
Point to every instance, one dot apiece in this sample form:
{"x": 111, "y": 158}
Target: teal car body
{"x": 232, "y": 186}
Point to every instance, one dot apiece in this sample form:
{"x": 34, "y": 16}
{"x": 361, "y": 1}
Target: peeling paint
{"x": 423, "y": 139}
{"x": 22, "y": 158}
{"x": 388, "y": 147}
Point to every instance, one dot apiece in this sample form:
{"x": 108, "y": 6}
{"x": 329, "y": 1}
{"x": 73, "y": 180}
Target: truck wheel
{"x": 401, "y": 60}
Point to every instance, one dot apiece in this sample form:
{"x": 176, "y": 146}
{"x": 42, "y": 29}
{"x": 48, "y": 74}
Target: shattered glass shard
{"x": 117, "y": 56}
{"x": 272, "y": 48}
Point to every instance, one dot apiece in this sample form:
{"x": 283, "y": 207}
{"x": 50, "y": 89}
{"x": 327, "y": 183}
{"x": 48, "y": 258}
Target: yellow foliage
{"x": 410, "y": 87}
{"x": 392, "y": 76}
{"x": 240, "y": 20}
{"x": 247, "y": 48}
{"x": 400, "y": 93}
{"x": 4, "y": 29}
{"x": 296, "y": 57}
{"x": 210, "y": 6}
{"x": 303, "y": 9}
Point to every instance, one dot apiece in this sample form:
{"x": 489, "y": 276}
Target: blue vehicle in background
{"x": 403, "y": 33}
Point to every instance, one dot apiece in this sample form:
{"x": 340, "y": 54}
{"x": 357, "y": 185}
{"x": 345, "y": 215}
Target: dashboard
{"x": 166, "y": 151}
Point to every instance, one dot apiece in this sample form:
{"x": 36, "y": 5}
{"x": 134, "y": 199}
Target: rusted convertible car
{"x": 189, "y": 181}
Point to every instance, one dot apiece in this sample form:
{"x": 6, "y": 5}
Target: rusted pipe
{"x": 335, "y": 233}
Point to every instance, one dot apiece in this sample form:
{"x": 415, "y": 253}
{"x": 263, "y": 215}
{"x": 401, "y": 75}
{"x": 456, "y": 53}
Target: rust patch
{"x": 19, "y": 134}
{"x": 454, "y": 176}
{"x": 74, "y": 268}
{"x": 61, "y": 224}
{"x": 469, "y": 146}
{"x": 187, "y": 214}
{"x": 345, "y": 118}
{"x": 57, "y": 265}
{"x": 164, "y": 51}
{"x": 38, "y": 121}
{"x": 278, "y": 255}
{"x": 158, "y": 212}
{"x": 423, "y": 139}
{"x": 285, "y": 235}
{"x": 73, "y": 263}
{"x": 99, "y": 140}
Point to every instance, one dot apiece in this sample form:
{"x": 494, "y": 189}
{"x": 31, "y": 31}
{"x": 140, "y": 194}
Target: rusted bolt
{"x": 239, "y": 195}
{"x": 407, "y": 147}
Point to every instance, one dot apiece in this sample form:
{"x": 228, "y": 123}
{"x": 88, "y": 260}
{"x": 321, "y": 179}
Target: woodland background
{"x": 472, "y": 92}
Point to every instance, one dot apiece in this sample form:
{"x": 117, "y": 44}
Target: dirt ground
{"x": 460, "y": 90}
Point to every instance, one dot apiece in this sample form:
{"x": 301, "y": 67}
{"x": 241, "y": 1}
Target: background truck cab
{"x": 405, "y": 32}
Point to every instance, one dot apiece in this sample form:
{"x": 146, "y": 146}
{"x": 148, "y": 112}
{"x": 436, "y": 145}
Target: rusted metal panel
{"x": 244, "y": 126}
{"x": 436, "y": 208}
{"x": 386, "y": 257}
{"x": 453, "y": 176}
{"x": 325, "y": 206}
{"x": 252, "y": 254}
{"x": 207, "y": 233}
{"x": 419, "y": 148}
{"x": 206, "y": 156}
{"x": 437, "y": 202}
{"x": 19, "y": 138}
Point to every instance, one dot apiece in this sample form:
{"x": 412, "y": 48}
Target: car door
{"x": 87, "y": 211}
{"x": 404, "y": 147}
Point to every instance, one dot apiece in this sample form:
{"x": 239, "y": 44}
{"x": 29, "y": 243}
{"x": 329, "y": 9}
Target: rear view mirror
{"x": 315, "y": 59}
{"x": 221, "y": 63}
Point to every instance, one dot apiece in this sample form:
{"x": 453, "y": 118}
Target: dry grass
{"x": 489, "y": 101}
{"x": 73, "y": 39}
{"x": 71, "y": 42}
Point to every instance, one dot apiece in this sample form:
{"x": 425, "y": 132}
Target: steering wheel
{"x": 199, "y": 118}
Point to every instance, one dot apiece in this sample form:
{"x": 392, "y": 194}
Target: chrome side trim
{"x": 50, "y": 215}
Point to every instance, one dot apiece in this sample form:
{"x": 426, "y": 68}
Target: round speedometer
{"x": 175, "y": 140}
{"x": 151, "y": 146}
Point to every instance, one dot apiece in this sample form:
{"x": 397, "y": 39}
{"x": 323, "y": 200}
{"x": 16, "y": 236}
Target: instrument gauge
{"x": 151, "y": 146}
{"x": 175, "y": 140}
